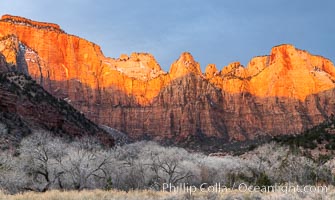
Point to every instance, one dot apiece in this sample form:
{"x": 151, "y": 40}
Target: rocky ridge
{"x": 284, "y": 92}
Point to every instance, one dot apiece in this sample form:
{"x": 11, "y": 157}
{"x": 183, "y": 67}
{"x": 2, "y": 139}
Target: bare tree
{"x": 84, "y": 167}
{"x": 46, "y": 162}
{"x": 39, "y": 154}
{"x": 167, "y": 165}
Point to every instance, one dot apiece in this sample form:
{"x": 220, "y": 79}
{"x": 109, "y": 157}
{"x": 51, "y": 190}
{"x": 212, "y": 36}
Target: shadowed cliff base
{"x": 191, "y": 110}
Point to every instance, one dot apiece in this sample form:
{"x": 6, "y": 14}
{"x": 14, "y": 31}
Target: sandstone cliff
{"x": 25, "y": 106}
{"x": 285, "y": 92}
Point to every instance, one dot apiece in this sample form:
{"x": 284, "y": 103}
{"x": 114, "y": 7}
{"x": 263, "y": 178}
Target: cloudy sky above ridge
{"x": 214, "y": 31}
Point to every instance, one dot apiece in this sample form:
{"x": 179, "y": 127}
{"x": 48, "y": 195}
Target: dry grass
{"x": 87, "y": 195}
{"x": 153, "y": 195}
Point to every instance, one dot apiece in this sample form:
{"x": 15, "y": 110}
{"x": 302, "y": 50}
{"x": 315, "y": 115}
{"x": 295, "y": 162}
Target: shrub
{"x": 263, "y": 180}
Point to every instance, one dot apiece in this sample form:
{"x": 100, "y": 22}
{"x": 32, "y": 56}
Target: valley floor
{"x": 160, "y": 195}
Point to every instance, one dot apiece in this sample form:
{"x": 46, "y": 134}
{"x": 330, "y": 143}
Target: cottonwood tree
{"x": 5, "y": 169}
{"x": 144, "y": 165}
{"x": 282, "y": 165}
{"x": 12, "y": 176}
{"x": 39, "y": 154}
{"x": 84, "y": 166}
{"x": 130, "y": 171}
{"x": 167, "y": 165}
{"x": 49, "y": 162}
{"x": 46, "y": 162}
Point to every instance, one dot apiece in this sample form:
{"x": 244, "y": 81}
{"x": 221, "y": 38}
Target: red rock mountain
{"x": 26, "y": 107}
{"x": 285, "y": 92}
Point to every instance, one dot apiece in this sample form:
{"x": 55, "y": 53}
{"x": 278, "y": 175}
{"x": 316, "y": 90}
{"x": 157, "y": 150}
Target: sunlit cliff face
{"x": 133, "y": 93}
{"x": 286, "y": 72}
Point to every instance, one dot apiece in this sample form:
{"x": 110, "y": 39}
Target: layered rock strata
{"x": 285, "y": 92}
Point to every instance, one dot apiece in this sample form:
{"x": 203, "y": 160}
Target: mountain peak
{"x": 27, "y": 22}
{"x": 211, "y": 71}
{"x": 234, "y": 69}
{"x": 142, "y": 66}
{"x": 184, "y": 65}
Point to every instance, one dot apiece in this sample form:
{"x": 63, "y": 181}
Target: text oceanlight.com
{"x": 243, "y": 187}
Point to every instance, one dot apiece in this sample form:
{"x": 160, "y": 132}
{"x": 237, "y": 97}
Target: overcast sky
{"x": 214, "y": 31}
